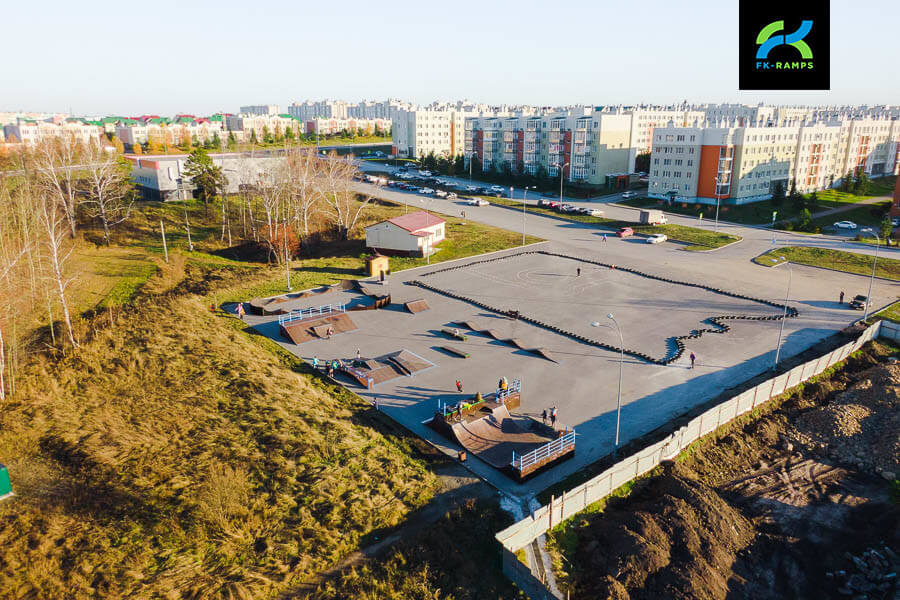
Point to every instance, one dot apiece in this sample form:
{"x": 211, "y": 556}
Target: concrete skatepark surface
{"x": 494, "y": 437}
{"x": 583, "y": 383}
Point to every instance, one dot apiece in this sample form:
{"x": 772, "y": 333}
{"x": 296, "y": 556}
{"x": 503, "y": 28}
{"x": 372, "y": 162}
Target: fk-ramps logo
{"x": 784, "y": 46}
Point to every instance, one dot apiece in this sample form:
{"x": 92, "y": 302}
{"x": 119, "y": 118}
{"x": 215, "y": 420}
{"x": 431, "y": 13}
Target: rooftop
{"x": 416, "y": 221}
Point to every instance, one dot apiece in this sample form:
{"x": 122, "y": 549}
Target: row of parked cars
{"x": 562, "y": 207}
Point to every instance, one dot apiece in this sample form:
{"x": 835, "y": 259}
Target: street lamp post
{"x": 784, "y": 315}
{"x": 524, "y": 194}
{"x": 717, "y": 201}
{"x": 872, "y": 278}
{"x": 621, "y": 364}
{"x": 561, "y": 171}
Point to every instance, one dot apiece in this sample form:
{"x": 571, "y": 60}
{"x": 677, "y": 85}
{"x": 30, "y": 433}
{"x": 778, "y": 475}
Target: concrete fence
{"x": 520, "y": 534}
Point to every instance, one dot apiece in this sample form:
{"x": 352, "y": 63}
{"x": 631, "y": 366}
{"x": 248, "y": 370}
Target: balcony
{"x": 582, "y": 124}
{"x": 532, "y": 125}
{"x": 557, "y": 125}
{"x": 581, "y": 137}
{"x": 581, "y": 149}
{"x": 555, "y": 137}
{"x": 556, "y": 149}
{"x": 531, "y": 136}
{"x": 509, "y": 136}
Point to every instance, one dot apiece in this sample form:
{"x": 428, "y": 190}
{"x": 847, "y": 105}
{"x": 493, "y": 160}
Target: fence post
{"x": 551, "y": 512}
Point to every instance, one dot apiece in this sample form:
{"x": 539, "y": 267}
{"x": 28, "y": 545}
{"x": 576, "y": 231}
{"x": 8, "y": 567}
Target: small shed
{"x": 378, "y": 264}
{"x": 413, "y": 234}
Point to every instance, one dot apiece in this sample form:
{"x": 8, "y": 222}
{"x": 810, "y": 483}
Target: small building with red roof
{"x": 413, "y": 234}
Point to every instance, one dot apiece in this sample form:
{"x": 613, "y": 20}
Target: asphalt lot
{"x": 583, "y": 381}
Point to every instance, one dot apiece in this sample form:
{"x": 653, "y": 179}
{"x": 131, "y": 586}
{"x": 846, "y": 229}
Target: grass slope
{"x": 171, "y": 456}
{"x": 848, "y": 262}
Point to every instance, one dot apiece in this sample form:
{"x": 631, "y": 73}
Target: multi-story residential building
{"x": 333, "y": 125}
{"x": 260, "y": 109}
{"x": 310, "y": 109}
{"x": 169, "y": 131}
{"x": 738, "y": 164}
{"x": 243, "y": 126}
{"x": 29, "y": 132}
{"x": 417, "y": 132}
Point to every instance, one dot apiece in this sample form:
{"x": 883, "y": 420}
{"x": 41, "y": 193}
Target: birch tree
{"x": 108, "y": 190}
{"x": 303, "y": 168}
{"x": 337, "y": 191}
{"x": 57, "y": 164}
{"x": 52, "y": 219}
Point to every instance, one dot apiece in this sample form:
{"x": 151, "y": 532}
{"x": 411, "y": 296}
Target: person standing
{"x": 553, "y": 415}
{"x": 842, "y": 297}
{"x": 693, "y": 359}
{"x": 459, "y": 386}
{"x": 604, "y": 238}
{"x": 315, "y": 363}
{"x": 240, "y": 310}
{"x": 578, "y": 272}
{"x": 544, "y": 416}
{"x": 358, "y": 355}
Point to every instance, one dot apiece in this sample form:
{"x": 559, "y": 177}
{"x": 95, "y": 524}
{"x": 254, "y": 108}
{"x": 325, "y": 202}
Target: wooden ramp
{"x": 408, "y": 362}
{"x": 299, "y": 332}
{"x": 416, "y": 306}
{"x": 455, "y": 351}
{"x": 494, "y": 437}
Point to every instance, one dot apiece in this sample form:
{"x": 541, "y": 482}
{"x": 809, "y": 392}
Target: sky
{"x": 197, "y": 56}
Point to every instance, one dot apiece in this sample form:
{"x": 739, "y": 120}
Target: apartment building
{"x": 260, "y": 109}
{"x": 30, "y": 132}
{"x": 417, "y": 132}
{"x": 325, "y": 126}
{"x": 737, "y": 164}
{"x": 169, "y": 131}
{"x": 311, "y": 109}
{"x": 589, "y": 145}
{"x": 244, "y": 126}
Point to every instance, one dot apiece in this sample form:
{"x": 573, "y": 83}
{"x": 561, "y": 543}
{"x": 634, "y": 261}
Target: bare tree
{"x": 52, "y": 218}
{"x": 303, "y": 168}
{"x": 57, "y": 165}
{"x": 108, "y": 189}
{"x": 336, "y": 190}
{"x": 272, "y": 190}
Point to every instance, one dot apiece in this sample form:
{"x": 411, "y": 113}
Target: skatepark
{"x": 551, "y": 344}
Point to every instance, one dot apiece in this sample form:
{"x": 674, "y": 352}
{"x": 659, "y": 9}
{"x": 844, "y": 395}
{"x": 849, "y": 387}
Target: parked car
{"x": 568, "y": 208}
{"x": 553, "y": 204}
{"x": 472, "y": 188}
{"x": 497, "y": 188}
{"x": 657, "y": 238}
{"x": 859, "y": 302}
{"x": 426, "y": 190}
{"x": 542, "y": 202}
{"x": 594, "y": 212}
{"x": 625, "y": 232}
{"x": 451, "y": 195}
{"x": 441, "y": 194}
{"x": 627, "y": 195}
{"x": 895, "y": 221}
{"x": 845, "y": 225}
{"x": 477, "y": 202}
{"x": 425, "y": 173}
{"x": 412, "y": 188}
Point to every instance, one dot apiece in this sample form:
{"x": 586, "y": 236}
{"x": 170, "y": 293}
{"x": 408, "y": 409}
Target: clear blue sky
{"x": 199, "y": 56}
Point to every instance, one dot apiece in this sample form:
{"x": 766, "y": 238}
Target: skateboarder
{"x": 459, "y": 386}
{"x": 315, "y": 363}
{"x": 604, "y": 238}
{"x": 842, "y": 297}
{"x": 693, "y": 359}
{"x": 553, "y": 414}
{"x": 329, "y": 332}
{"x": 358, "y": 355}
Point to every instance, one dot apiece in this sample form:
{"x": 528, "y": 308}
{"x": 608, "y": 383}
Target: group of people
{"x": 552, "y": 413}
{"x": 332, "y": 366}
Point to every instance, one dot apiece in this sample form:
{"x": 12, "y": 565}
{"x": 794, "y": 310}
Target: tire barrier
{"x": 514, "y": 342}
{"x": 675, "y": 345}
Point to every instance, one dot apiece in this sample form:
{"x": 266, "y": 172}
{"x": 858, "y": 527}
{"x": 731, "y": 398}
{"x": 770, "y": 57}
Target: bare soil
{"x": 791, "y": 503}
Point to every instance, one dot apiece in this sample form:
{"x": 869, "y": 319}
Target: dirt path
{"x": 457, "y": 487}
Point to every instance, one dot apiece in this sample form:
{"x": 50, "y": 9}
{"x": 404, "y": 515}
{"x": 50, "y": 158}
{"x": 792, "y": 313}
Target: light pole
{"x": 621, "y": 364}
{"x": 784, "y": 315}
{"x": 561, "y": 170}
{"x": 717, "y": 201}
{"x": 524, "y": 193}
{"x": 872, "y": 279}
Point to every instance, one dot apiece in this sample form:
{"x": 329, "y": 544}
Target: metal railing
{"x": 514, "y": 387}
{"x": 557, "y": 446}
{"x": 306, "y": 313}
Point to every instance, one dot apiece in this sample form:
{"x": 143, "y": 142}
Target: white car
{"x": 451, "y": 196}
{"x": 441, "y": 194}
{"x": 657, "y": 238}
{"x": 425, "y": 173}
{"x": 497, "y": 188}
{"x": 629, "y": 195}
{"x": 593, "y": 212}
{"x": 477, "y": 202}
{"x": 426, "y": 191}
{"x": 845, "y": 225}
{"x": 471, "y": 188}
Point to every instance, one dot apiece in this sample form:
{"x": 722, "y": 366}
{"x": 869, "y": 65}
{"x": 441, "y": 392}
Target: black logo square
{"x": 784, "y": 45}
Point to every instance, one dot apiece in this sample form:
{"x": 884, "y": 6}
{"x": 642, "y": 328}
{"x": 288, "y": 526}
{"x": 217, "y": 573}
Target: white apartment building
{"x": 311, "y": 109}
{"x": 243, "y": 126}
{"x": 260, "y": 109}
{"x": 740, "y": 164}
{"x": 324, "y": 126}
{"x": 30, "y": 132}
{"x": 417, "y": 132}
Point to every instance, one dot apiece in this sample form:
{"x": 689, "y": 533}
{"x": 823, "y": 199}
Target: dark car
{"x": 859, "y": 302}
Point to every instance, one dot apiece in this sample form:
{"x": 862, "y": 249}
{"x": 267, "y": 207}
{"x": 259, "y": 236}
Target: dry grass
{"x": 172, "y": 457}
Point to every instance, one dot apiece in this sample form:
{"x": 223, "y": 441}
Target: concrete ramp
{"x": 416, "y": 306}
{"x": 299, "y": 332}
{"x": 493, "y": 438}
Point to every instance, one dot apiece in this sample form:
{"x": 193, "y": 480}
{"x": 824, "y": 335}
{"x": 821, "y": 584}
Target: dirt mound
{"x": 675, "y": 538}
{"x": 859, "y": 426}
